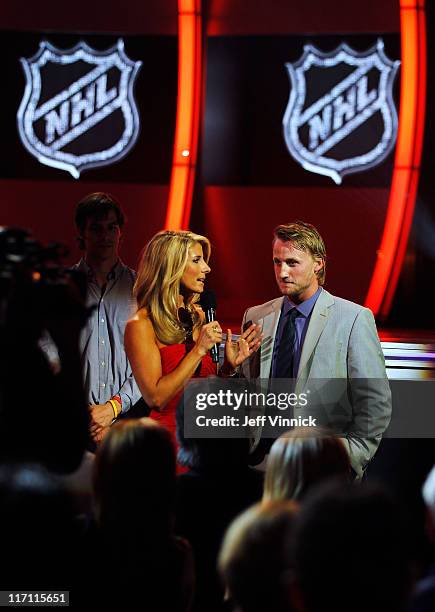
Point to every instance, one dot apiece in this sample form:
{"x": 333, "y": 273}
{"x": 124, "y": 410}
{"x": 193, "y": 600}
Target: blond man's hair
{"x": 306, "y": 238}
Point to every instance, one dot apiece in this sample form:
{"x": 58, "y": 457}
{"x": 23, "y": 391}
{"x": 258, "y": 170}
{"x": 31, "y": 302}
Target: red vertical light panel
{"x": 188, "y": 114}
{"x": 407, "y": 160}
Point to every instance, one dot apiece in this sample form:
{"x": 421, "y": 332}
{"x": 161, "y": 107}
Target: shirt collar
{"x": 113, "y": 274}
{"x": 305, "y": 308}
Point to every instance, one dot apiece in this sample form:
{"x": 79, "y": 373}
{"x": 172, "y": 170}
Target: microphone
{"x": 208, "y": 304}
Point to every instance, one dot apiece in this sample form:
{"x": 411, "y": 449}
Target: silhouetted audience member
{"x": 253, "y": 563}
{"x": 79, "y": 485}
{"x": 138, "y": 557}
{"x": 402, "y": 466}
{"x": 302, "y": 458}
{"x": 350, "y": 551}
{"x": 423, "y": 599}
{"x": 218, "y": 485}
{"x": 40, "y": 539}
{"x": 43, "y": 415}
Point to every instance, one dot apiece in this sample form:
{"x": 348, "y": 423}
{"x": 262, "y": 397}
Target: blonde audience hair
{"x": 124, "y": 475}
{"x": 253, "y": 559}
{"x": 301, "y": 458}
{"x": 157, "y": 286}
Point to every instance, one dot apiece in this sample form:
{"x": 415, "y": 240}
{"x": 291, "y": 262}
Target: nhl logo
{"x": 78, "y": 110}
{"x": 341, "y": 117}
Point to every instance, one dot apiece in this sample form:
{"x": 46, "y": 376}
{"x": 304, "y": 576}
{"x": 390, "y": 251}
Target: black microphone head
{"x": 208, "y": 300}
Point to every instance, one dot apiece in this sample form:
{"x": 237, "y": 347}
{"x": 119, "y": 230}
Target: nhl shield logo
{"x": 78, "y": 109}
{"x": 341, "y": 117}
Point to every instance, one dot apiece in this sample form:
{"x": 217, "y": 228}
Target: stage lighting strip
{"x": 403, "y": 360}
{"x": 409, "y": 361}
{"x": 407, "y": 160}
{"x": 188, "y": 114}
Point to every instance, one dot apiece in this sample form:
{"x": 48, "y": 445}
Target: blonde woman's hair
{"x": 254, "y": 556}
{"x": 301, "y": 458}
{"x": 157, "y": 287}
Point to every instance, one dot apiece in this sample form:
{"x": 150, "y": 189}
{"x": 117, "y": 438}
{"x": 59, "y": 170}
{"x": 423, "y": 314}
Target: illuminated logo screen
{"x": 78, "y": 110}
{"x": 341, "y": 116}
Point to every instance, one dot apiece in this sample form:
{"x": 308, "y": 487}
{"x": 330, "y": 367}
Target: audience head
{"x": 301, "y": 458}
{"x": 428, "y": 491}
{"x": 253, "y": 562}
{"x": 134, "y": 476}
{"x": 210, "y": 454}
{"x": 158, "y": 283}
{"x": 349, "y": 550}
{"x": 38, "y": 532}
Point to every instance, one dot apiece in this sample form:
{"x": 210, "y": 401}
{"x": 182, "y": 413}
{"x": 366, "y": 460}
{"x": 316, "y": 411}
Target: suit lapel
{"x": 270, "y": 324}
{"x": 318, "y": 320}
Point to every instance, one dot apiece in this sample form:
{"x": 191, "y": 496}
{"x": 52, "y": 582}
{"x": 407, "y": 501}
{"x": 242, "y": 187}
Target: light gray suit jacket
{"x": 341, "y": 343}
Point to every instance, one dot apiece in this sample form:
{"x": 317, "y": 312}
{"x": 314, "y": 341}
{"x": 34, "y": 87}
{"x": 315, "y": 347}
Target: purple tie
{"x": 286, "y": 351}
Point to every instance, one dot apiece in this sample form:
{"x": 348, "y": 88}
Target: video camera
{"x": 34, "y": 286}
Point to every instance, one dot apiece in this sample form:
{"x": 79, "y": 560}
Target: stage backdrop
{"x": 250, "y": 181}
{"x": 43, "y": 198}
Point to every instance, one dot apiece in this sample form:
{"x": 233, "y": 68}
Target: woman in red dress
{"x": 168, "y": 340}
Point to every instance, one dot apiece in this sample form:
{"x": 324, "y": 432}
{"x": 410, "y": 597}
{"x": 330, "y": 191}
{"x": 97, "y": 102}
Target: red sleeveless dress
{"x": 171, "y": 356}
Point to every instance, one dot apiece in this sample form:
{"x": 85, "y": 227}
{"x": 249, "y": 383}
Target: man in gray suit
{"x": 311, "y": 335}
